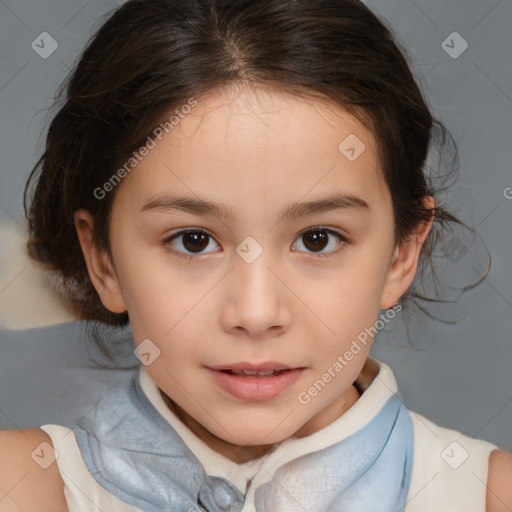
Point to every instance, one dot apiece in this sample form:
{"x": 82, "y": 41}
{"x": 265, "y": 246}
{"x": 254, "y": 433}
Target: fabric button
{"x": 219, "y": 495}
{"x": 222, "y": 497}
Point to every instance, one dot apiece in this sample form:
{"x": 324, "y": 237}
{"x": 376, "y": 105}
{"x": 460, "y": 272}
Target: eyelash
{"x": 344, "y": 241}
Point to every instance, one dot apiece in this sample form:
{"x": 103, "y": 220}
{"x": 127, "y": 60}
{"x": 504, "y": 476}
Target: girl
{"x": 244, "y": 183}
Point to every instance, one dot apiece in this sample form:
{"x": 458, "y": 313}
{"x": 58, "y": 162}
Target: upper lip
{"x": 270, "y": 365}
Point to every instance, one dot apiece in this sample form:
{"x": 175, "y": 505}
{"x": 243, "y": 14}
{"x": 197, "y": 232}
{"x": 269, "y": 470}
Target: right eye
{"x": 189, "y": 242}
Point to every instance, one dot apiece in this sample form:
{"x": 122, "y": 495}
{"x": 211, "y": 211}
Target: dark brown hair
{"x": 151, "y": 56}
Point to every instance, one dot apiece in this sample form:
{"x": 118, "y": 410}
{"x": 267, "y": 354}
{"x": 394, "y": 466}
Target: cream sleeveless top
{"x": 449, "y": 472}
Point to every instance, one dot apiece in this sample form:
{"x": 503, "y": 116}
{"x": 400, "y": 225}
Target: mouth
{"x": 255, "y": 382}
{"x": 252, "y": 373}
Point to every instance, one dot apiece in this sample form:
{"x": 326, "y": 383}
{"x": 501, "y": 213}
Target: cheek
{"x": 155, "y": 293}
{"x": 164, "y": 310}
{"x": 349, "y": 303}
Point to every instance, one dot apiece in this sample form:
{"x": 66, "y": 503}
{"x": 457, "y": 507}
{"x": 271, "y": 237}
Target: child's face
{"x": 232, "y": 305}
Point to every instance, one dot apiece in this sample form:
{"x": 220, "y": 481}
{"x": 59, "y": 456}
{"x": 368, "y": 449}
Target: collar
{"x": 136, "y": 448}
{"x": 216, "y": 464}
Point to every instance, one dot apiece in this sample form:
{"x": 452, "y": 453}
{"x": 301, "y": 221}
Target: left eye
{"x": 318, "y": 238}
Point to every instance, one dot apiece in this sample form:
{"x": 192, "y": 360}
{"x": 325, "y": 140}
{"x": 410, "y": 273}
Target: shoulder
{"x": 455, "y": 466}
{"x": 499, "y": 482}
{"x": 29, "y": 475}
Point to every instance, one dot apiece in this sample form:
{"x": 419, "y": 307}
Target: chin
{"x": 258, "y": 433}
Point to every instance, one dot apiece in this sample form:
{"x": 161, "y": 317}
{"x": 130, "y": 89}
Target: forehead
{"x": 244, "y": 145}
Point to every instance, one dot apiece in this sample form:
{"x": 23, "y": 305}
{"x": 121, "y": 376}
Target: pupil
{"x": 198, "y": 241}
{"x": 318, "y": 240}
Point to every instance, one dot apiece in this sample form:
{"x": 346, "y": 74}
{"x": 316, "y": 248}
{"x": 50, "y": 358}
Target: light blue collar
{"x": 134, "y": 453}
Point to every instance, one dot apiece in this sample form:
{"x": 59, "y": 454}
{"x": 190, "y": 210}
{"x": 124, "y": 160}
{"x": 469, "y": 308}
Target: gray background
{"x": 459, "y": 376}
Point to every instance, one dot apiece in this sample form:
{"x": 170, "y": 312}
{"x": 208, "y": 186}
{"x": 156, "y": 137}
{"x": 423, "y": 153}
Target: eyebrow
{"x": 290, "y": 211}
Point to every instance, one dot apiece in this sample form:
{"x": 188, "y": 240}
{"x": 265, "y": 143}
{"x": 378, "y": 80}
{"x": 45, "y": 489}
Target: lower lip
{"x": 255, "y": 387}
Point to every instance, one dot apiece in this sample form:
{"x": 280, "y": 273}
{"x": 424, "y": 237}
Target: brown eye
{"x": 190, "y": 241}
{"x": 195, "y": 242}
{"x": 315, "y": 240}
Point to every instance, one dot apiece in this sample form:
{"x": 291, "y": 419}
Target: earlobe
{"x": 99, "y": 264}
{"x": 404, "y": 262}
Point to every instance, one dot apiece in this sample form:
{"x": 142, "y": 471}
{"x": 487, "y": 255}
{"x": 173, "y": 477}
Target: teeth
{"x": 254, "y": 372}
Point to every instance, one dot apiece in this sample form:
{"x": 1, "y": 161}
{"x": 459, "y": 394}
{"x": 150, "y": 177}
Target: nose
{"x": 256, "y": 302}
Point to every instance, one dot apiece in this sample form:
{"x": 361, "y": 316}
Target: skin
{"x": 253, "y": 150}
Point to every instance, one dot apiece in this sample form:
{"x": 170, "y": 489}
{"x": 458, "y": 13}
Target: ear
{"x": 404, "y": 263}
{"x": 99, "y": 264}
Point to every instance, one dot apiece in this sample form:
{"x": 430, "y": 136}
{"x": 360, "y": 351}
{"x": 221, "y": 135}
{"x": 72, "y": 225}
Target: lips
{"x": 267, "y": 369}
{"x": 249, "y": 381}
{"x": 260, "y": 373}
{"x": 270, "y": 365}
